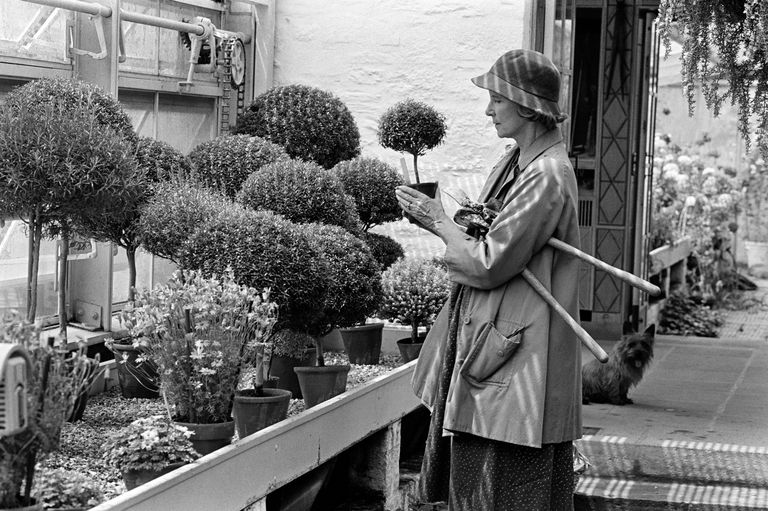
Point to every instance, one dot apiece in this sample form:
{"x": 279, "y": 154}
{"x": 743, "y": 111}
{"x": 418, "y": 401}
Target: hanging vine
{"x": 723, "y": 40}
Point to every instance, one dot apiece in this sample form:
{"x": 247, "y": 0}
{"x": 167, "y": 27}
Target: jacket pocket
{"x": 490, "y": 352}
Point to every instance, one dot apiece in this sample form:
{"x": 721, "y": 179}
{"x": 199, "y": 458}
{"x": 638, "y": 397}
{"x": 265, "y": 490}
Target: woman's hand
{"x": 429, "y": 213}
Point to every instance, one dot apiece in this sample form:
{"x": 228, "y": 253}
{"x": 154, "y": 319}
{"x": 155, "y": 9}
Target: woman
{"x": 499, "y": 370}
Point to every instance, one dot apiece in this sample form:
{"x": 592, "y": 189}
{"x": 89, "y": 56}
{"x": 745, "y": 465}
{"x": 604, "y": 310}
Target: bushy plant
{"x": 263, "y": 250}
{"x": 384, "y": 249}
{"x": 371, "y": 183}
{"x": 685, "y": 315}
{"x": 413, "y": 127}
{"x": 415, "y": 290}
{"x": 225, "y": 162}
{"x": 61, "y": 488}
{"x": 756, "y": 199}
{"x": 150, "y": 443}
{"x": 311, "y": 124}
{"x": 302, "y": 192}
{"x": 161, "y": 160}
{"x": 200, "y": 331}
{"x": 291, "y": 343}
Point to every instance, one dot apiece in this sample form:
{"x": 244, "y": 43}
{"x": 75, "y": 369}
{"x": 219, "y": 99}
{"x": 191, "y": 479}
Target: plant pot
{"x": 79, "y": 408}
{"x": 134, "y": 478}
{"x": 429, "y": 189}
{"x": 363, "y": 343}
{"x": 319, "y": 384}
{"x": 37, "y": 506}
{"x": 253, "y": 413}
{"x": 332, "y": 341}
{"x": 136, "y": 380}
{"x": 209, "y": 437}
{"x": 757, "y": 253}
{"x": 282, "y": 368}
{"x": 409, "y": 350}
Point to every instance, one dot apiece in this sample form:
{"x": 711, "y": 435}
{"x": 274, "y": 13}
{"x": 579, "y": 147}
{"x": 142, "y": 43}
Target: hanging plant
{"x": 723, "y": 41}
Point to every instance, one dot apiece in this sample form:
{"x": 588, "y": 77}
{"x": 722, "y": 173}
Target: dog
{"x": 610, "y": 382}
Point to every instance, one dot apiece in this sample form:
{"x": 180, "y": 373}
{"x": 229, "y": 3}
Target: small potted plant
{"x": 67, "y": 490}
{"x": 148, "y": 448}
{"x": 415, "y": 290}
{"x": 200, "y": 331}
{"x": 290, "y": 349}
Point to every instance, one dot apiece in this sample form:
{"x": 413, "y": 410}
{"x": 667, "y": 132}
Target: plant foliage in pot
{"x": 200, "y": 331}
{"x": 414, "y": 291}
{"x": 148, "y": 448}
{"x": 67, "y": 490}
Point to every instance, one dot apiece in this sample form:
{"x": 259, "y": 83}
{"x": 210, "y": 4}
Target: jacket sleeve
{"x": 527, "y": 221}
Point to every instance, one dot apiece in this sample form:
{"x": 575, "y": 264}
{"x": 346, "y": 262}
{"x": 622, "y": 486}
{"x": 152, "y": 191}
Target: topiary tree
{"x": 413, "y": 127}
{"x": 156, "y": 161}
{"x": 225, "y": 162}
{"x": 302, "y": 192}
{"x": 371, "y": 183}
{"x": 311, "y": 124}
{"x": 383, "y": 248}
{"x": 723, "y": 41}
{"x": 353, "y": 277}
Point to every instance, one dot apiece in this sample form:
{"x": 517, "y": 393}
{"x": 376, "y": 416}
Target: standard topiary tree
{"x": 371, "y": 182}
{"x": 413, "y": 127}
{"x": 225, "y": 162}
{"x": 383, "y": 248}
{"x": 311, "y": 124}
{"x": 302, "y": 192}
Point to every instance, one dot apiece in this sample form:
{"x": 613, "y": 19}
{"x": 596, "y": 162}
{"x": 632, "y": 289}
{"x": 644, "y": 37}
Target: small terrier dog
{"x": 610, "y": 382}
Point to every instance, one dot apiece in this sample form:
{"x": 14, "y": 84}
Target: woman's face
{"x": 505, "y": 116}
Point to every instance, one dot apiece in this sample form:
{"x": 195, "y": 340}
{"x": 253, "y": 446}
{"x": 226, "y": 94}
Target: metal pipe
{"x": 92, "y": 8}
{"x": 146, "y": 19}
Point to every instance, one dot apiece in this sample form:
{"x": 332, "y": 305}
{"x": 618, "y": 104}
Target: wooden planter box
{"x": 667, "y": 268}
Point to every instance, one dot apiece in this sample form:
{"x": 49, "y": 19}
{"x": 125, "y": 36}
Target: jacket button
{"x": 467, "y": 320}
{"x": 500, "y": 353}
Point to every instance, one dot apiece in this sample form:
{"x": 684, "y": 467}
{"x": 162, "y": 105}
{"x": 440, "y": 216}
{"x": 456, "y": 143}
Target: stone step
{"x": 676, "y": 461}
{"x": 611, "y": 494}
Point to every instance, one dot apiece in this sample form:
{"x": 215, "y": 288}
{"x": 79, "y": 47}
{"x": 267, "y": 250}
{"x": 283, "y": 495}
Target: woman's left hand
{"x": 426, "y": 211}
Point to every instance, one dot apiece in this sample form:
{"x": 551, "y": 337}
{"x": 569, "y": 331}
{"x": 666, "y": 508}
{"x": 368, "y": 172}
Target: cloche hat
{"x": 526, "y": 77}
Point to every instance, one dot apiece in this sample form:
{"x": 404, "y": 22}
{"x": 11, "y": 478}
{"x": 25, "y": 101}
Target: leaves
{"x": 371, "y": 183}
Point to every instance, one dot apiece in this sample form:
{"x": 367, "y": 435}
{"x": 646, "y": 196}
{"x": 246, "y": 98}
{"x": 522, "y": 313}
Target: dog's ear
{"x": 628, "y": 329}
{"x": 650, "y": 331}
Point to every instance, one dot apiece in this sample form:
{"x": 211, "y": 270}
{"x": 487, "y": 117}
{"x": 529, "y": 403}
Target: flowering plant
{"x": 756, "y": 199}
{"x": 200, "y": 331}
{"x": 150, "y": 443}
{"x": 415, "y": 290}
{"x": 60, "y": 488}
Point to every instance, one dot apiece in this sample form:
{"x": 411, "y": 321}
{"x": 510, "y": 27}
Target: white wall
{"x": 372, "y": 54}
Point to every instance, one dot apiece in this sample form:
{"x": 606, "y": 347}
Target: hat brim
{"x": 515, "y": 94}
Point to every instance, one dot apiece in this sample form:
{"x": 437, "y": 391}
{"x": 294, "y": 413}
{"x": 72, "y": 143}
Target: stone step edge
{"x": 682, "y": 461}
{"x": 704, "y": 497}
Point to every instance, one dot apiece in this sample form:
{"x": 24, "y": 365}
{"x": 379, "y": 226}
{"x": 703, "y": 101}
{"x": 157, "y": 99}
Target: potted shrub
{"x": 415, "y": 290}
{"x": 310, "y": 123}
{"x": 52, "y": 387}
{"x": 200, "y": 332}
{"x": 67, "y": 490}
{"x": 413, "y": 127}
{"x": 148, "y": 448}
{"x": 290, "y": 349}
{"x": 225, "y": 162}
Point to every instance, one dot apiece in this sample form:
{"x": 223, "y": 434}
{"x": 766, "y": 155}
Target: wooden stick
{"x": 582, "y": 334}
{"x": 627, "y": 277}
{"x": 404, "y": 169}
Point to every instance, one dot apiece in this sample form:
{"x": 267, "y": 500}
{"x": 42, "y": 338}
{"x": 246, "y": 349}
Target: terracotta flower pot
{"x": 135, "y": 380}
{"x": 209, "y": 437}
{"x": 253, "y": 413}
{"x": 429, "y": 189}
{"x": 282, "y": 368}
{"x": 410, "y": 350}
{"x": 134, "y": 478}
{"x": 319, "y": 384}
{"x": 363, "y": 343}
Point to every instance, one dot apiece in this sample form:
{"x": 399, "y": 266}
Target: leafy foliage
{"x": 200, "y": 331}
{"x": 413, "y": 127}
{"x": 60, "y": 488}
{"x": 302, "y": 192}
{"x": 311, "y": 124}
{"x": 149, "y": 443}
{"x": 723, "y": 40}
{"x": 684, "y": 315}
{"x": 384, "y": 249}
{"x": 225, "y": 162}
{"x": 756, "y": 199}
{"x": 291, "y": 343}
{"x": 160, "y": 160}
{"x": 415, "y": 290}
{"x": 371, "y": 183}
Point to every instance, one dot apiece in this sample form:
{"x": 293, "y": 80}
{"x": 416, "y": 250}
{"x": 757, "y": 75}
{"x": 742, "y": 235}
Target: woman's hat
{"x": 526, "y": 77}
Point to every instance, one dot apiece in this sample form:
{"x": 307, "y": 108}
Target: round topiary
{"x": 309, "y": 123}
{"x": 302, "y": 192}
{"x": 225, "y": 162}
{"x": 263, "y": 250}
{"x": 413, "y": 127}
{"x": 72, "y": 94}
{"x": 415, "y": 290}
{"x": 354, "y": 278}
{"x": 383, "y": 248}
{"x": 371, "y": 182}
{"x": 161, "y": 161}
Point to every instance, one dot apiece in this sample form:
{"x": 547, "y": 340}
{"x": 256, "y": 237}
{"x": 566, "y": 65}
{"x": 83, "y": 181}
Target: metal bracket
{"x": 197, "y": 44}
{"x": 99, "y": 26}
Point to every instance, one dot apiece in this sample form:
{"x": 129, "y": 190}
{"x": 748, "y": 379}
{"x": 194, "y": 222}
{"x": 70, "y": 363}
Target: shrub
{"x": 412, "y": 127}
{"x": 150, "y": 443}
{"x": 309, "y": 123}
{"x": 60, "y": 488}
{"x": 302, "y": 192}
{"x": 291, "y": 343}
{"x": 415, "y": 290}
{"x": 683, "y": 315}
{"x": 371, "y": 183}
{"x": 225, "y": 162}
{"x": 263, "y": 250}
{"x": 160, "y": 160}
{"x": 383, "y": 248}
